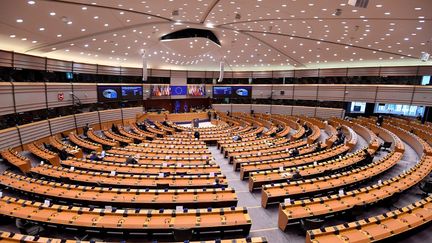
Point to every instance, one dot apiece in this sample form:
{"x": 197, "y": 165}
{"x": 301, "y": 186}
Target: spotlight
{"x": 424, "y": 57}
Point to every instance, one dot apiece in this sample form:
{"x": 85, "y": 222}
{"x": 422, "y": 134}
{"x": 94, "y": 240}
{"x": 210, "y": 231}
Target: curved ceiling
{"x": 254, "y": 34}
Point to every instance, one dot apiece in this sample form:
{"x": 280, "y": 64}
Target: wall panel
{"x": 261, "y": 108}
{"x": 30, "y": 96}
{"x": 28, "y": 62}
{"x": 222, "y": 107}
{"x": 59, "y": 65}
{"x": 306, "y": 73}
{"x": 283, "y": 92}
{"x": 196, "y": 74}
{"x": 84, "y": 68}
{"x": 283, "y": 74}
{"x": 262, "y": 74}
{"x": 241, "y": 108}
{"x": 130, "y": 113}
{"x": 110, "y": 115}
{"x": 394, "y": 94}
{"x": 374, "y": 71}
{"x": 331, "y": 92}
{"x": 6, "y": 98}
{"x": 422, "y": 96}
{"x": 333, "y": 72}
{"x": 303, "y": 110}
{"x": 125, "y": 71}
{"x": 108, "y": 70}
{"x": 261, "y": 92}
{"x": 86, "y": 93}
{"x": 159, "y": 73}
{"x": 9, "y": 138}
{"x": 61, "y": 124}
{"x": 305, "y": 92}
{"x": 398, "y": 71}
{"x": 34, "y": 131}
{"x": 365, "y": 93}
{"x": 281, "y": 109}
{"x": 6, "y": 59}
{"x": 326, "y": 113}
{"x": 91, "y": 118}
{"x": 54, "y": 89}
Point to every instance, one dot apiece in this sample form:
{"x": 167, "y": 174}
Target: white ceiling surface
{"x": 270, "y": 35}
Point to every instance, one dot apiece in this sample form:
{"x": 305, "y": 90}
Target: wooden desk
{"x": 128, "y": 220}
{"x": 17, "y": 160}
{"x": 44, "y": 154}
{"x": 128, "y": 180}
{"x": 144, "y": 198}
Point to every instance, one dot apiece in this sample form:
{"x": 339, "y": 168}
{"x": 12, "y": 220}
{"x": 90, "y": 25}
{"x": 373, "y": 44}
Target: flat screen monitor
{"x": 241, "y": 92}
{"x": 196, "y": 90}
{"x": 160, "y": 90}
{"x": 222, "y": 91}
{"x": 109, "y": 93}
{"x": 178, "y": 90}
{"x": 132, "y": 92}
{"x": 69, "y": 76}
{"x": 358, "y": 107}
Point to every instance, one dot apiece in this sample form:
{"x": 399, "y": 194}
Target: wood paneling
{"x": 9, "y": 138}
{"x": 59, "y": 65}
{"x": 30, "y": 96}
{"x": 306, "y": 73}
{"x": 365, "y": 93}
{"x": 61, "y": 124}
{"x": 34, "y": 131}
{"x": 86, "y": 93}
{"x": 84, "y": 68}
{"x": 283, "y": 74}
{"x": 54, "y": 89}
{"x": 363, "y": 71}
{"x": 398, "y": 71}
{"x": 333, "y": 72}
{"x": 242, "y": 74}
{"x": 6, "y": 98}
{"x": 159, "y": 73}
{"x": 394, "y": 94}
{"x": 108, "y": 70}
{"x": 6, "y": 59}
{"x": 262, "y": 74}
{"x": 331, "y": 92}
{"x": 305, "y": 92}
{"x": 28, "y": 62}
{"x": 422, "y": 96}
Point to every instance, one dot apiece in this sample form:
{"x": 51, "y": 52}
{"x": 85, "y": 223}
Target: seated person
{"x": 131, "y": 160}
{"x": 296, "y": 175}
{"x": 63, "y": 154}
{"x": 318, "y": 147}
{"x": 103, "y": 153}
{"x": 196, "y": 135}
{"x": 295, "y": 152}
{"x": 368, "y": 156}
{"x": 237, "y": 138}
{"x": 114, "y": 128}
{"x": 94, "y": 156}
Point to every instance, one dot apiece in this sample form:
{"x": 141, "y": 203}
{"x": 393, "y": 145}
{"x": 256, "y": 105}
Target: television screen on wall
{"x": 196, "y": 90}
{"x": 241, "y": 92}
{"x": 222, "y": 91}
{"x": 132, "y": 92}
{"x": 160, "y": 90}
{"x": 109, "y": 93}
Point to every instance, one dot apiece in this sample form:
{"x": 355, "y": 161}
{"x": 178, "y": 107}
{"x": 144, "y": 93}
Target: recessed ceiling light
{"x": 31, "y": 2}
{"x": 83, "y": 30}
{"x": 378, "y": 6}
{"x": 52, "y": 13}
{"x": 19, "y": 20}
{"x": 12, "y": 36}
{"x": 84, "y": 8}
{"x": 41, "y": 29}
{"x": 69, "y": 22}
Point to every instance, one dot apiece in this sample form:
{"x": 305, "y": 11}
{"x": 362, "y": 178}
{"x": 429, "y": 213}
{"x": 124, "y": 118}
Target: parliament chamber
{"x": 215, "y": 121}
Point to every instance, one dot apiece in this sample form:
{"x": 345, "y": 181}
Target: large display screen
{"x": 241, "y": 92}
{"x": 118, "y": 93}
{"x": 178, "y": 90}
{"x": 160, "y": 90}
{"x": 196, "y": 90}
{"x": 109, "y": 93}
{"x": 132, "y": 92}
{"x": 222, "y": 91}
{"x": 399, "y": 109}
{"x": 232, "y": 91}
{"x": 358, "y": 107}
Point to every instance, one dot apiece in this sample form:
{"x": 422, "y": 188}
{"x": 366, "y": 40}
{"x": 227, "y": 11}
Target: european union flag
{"x": 178, "y": 90}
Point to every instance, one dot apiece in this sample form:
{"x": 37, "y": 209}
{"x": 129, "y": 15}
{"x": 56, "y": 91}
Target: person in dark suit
{"x": 94, "y": 157}
{"x": 86, "y": 128}
{"x": 368, "y": 156}
{"x": 380, "y": 120}
{"x": 296, "y": 175}
{"x": 197, "y": 135}
{"x": 63, "y": 154}
{"x": 131, "y": 160}
{"x": 318, "y": 147}
{"x": 295, "y": 152}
